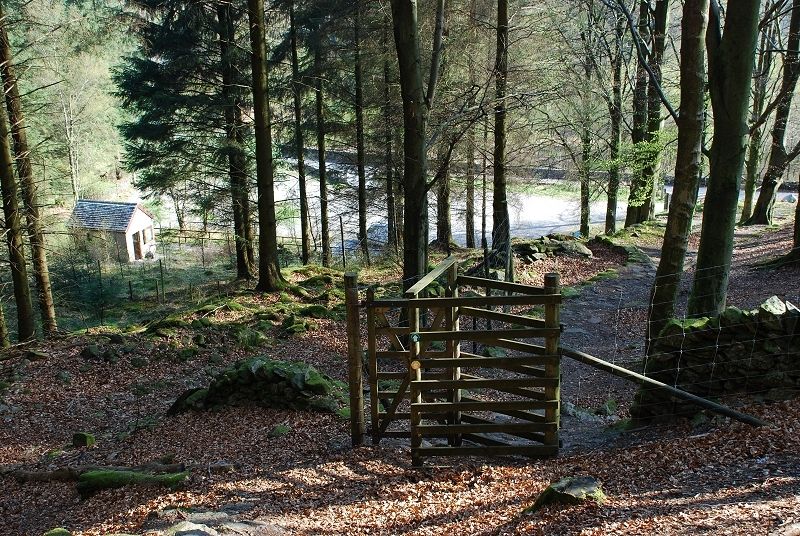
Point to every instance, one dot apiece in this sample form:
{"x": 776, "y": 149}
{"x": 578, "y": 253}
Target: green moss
{"x": 82, "y": 439}
{"x": 315, "y": 311}
{"x": 92, "y": 481}
{"x": 570, "y": 292}
{"x": 279, "y": 430}
{"x": 57, "y": 532}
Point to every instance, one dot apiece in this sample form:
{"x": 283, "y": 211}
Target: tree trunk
{"x": 5, "y": 340}
{"x": 237, "y": 167}
{"x": 484, "y": 169}
{"x": 391, "y": 209}
{"x": 26, "y": 328}
{"x": 362, "y": 176}
{"x": 444, "y": 231}
{"x": 759, "y": 96}
{"x": 654, "y": 122}
{"x": 585, "y": 171}
{"x": 415, "y": 114}
{"x": 779, "y": 160}
{"x": 27, "y": 184}
{"x": 269, "y": 273}
{"x": 297, "y": 92}
{"x": 501, "y": 225}
{"x": 615, "y": 115}
{"x": 730, "y": 72}
{"x": 323, "y": 175}
{"x": 687, "y": 169}
{"x": 469, "y": 214}
{"x": 638, "y": 194}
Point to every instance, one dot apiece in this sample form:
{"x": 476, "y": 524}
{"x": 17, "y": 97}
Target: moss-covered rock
{"x": 314, "y": 311}
{"x": 266, "y": 382}
{"x": 569, "y": 491}
{"x": 57, "y": 532}
{"x": 279, "y": 430}
{"x": 93, "y": 481}
{"x": 82, "y": 439}
{"x": 317, "y": 281}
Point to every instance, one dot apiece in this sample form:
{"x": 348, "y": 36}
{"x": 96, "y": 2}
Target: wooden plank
{"x": 552, "y": 315}
{"x": 482, "y": 405}
{"x": 621, "y": 372}
{"x": 527, "y": 393}
{"x": 373, "y": 368}
{"x": 469, "y": 301}
{"x": 393, "y": 330}
{"x": 521, "y": 320}
{"x": 530, "y": 436}
{"x": 391, "y": 354}
{"x": 430, "y": 277}
{"x": 522, "y": 415}
{"x": 484, "y": 383}
{"x": 402, "y": 434}
{"x": 484, "y": 335}
{"x": 399, "y": 397}
{"x": 354, "y": 365}
{"x": 502, "y": 285}
{"x": 527, "y": 450}
{"x": 441, "y": 430}
{"x": 483, "y": 362}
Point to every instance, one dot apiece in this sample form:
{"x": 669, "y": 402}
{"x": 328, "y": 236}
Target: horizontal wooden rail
{"x": 430, "y": 277}
{"x": 531, "y": 436}
{"x": 531, "y": 450}
{"x": 441, "y": 430}
{"x": 517, "y": 414}
{"x": 522, "y": 320}
{"x": 483, "y": 335}
{"x": 484, "y": 383}
{"x": 467, "y": 301}
{"x": 483, "y": 405}
{"x": 501, "y": 285}
{"x": 482, "y": 362}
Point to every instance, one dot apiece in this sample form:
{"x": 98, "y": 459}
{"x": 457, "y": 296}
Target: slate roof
{"x": 103, "y": 215}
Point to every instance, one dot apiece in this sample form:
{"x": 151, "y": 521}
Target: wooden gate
{"x": 500, "y": 397}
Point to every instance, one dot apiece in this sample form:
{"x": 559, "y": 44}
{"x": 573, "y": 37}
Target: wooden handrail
{"x": 430, "y": 277}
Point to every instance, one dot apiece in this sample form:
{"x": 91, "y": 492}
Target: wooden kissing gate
{"x": 500, "y": 398}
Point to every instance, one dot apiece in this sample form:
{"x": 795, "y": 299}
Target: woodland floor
{"x": 722, "y": 478}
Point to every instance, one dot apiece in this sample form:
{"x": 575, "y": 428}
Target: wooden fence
{"x": 425, "y": 385}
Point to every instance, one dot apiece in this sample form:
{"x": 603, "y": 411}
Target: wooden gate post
{"x": 552, "y": 314}
{"x": 354, "y": 368}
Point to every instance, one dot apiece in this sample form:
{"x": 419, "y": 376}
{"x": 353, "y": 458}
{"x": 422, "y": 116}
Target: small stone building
{"x": 125, "y": 230}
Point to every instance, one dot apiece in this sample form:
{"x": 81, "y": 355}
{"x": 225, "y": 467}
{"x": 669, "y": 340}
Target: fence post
{"x": 454, "y": 347}
{"x": 354, "y": 359}
{"x": 163, "y": 288}
{"x": 372, "y": 376}
{"x": 341, "y": 233}
{"x": 552, "y": 320}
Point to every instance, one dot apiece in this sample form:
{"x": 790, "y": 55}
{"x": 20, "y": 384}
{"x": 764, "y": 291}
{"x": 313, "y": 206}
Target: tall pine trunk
{"x": 654, "y": 121}
{"x": 297, "y": 93}
{"x": 323, "y": 175}
{"x": 779, "y": 159}
{"x": 615, "y": 115}
{"x": 638, "y": 194}
{"x": 269, "y": 273}
{"x": 360, "y": 157}
{"x": 27, "y": 184}
{"x": 444, "y": 230}
{"x": 469, "y": 214}
{"x": 415, "y": 115}
{"x": 237, "y": 163}
{"x": 26, "y": 328}
{"x": 687, "y": 169}
{"x": 730, "y": 58}
{"x": 501, "y": 225}
{"x": 388, "y": 159}
{"x": 5, "y": 340}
